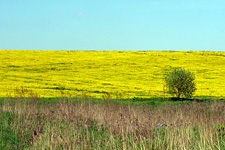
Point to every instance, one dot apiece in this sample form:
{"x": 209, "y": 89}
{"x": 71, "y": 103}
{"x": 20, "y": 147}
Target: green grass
{"x": 151, "y": 101}
{"x": 12, "y": 137}
{"x": 84, "y": 123}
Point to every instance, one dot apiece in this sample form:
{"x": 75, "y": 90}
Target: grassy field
{"x": 109, "y": 100}
{"x": 125, "y": 74}
{"x": 69, "y": 123}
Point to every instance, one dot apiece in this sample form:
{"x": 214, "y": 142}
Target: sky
{"x": 180, "y": 25}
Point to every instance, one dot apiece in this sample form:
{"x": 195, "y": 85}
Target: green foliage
{"x": 180, "y": 82}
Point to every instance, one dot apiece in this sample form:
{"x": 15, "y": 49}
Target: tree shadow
{"x": 187, "y": 99}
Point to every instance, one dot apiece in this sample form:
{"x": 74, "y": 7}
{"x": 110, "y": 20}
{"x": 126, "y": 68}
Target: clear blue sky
{"x": 112, "y": 24}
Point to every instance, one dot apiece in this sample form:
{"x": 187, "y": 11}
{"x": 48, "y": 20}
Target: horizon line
{"x": 116, "y": 50}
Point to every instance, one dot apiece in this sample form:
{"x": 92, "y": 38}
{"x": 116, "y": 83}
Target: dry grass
{"x": 107, "y": 125}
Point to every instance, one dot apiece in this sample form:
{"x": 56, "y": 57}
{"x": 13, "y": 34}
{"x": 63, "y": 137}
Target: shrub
{"x": 180, "y": 82}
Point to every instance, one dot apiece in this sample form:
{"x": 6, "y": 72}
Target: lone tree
{"x": 180, "y": 82}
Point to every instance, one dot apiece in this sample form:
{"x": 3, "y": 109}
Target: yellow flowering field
{"x": 123, "y": 74}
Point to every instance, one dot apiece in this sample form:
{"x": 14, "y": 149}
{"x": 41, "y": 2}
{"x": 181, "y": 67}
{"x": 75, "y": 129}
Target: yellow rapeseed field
{"x": 123, "y": 74}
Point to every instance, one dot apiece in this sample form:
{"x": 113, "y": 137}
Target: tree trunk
{"x": 178, "y": 96}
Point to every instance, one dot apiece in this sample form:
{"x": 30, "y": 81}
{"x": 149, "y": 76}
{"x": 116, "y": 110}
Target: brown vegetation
{"x": 70, "y": 125}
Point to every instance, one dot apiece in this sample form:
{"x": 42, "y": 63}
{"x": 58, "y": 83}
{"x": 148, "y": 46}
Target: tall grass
{"x": 86, "y": 124}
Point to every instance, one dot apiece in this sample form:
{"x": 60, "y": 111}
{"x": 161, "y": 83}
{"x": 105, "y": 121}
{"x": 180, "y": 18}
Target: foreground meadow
{"x": 121, "y": 74}
{"x": 29, "y": 123}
